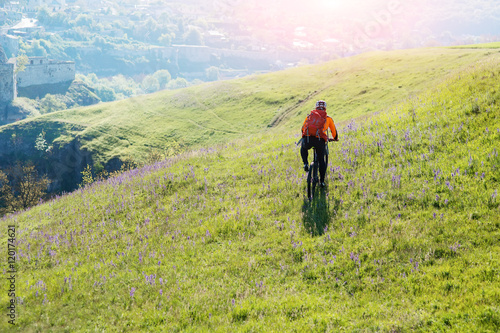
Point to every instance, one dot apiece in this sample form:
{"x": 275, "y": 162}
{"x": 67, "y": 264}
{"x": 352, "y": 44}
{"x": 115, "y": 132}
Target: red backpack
{"x": 314, "y": 124}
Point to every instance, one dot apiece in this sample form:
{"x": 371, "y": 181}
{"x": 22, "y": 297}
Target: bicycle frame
{"x": 312, "y": 175}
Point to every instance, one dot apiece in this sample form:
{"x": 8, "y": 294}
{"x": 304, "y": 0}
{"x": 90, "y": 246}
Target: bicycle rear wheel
{"x": 310, "y": 182}
{"x": 327, "y": 152}
{"x": 315, "y": 179}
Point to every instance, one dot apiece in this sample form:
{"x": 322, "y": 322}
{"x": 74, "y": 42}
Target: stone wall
{"x": 7, "y": 88}
{"x": 41, "y": 71}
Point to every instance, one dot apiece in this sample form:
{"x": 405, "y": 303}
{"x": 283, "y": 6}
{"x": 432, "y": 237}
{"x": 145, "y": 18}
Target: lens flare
{"x": 333, "y": 4}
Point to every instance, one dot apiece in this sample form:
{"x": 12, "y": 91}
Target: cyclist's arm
{"x": 330, "y": 124}
{"x": 304, "y": 124}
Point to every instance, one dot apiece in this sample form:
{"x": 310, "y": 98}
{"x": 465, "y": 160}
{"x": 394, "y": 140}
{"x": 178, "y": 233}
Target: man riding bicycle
{"x": 315, "y": 134}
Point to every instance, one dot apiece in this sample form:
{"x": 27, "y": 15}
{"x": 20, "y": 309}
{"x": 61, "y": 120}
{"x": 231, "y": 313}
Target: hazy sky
{"x": 324, "y": 11}
{"x": 372, "y": 19}
{"x": 330, "y": 18}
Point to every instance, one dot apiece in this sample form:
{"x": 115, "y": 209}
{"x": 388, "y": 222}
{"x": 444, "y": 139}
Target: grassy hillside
{"x": 405, "y": 238}
{"x": 495, "y": 45}
{"x": 175, "y": 121}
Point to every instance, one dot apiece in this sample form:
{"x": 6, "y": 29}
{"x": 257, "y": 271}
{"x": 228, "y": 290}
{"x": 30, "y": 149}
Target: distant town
{"x": 122, "y": 48}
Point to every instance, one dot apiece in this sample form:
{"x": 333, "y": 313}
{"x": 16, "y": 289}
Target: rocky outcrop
{"x": 13, "y": 112}
{"x": 62, "y": 163}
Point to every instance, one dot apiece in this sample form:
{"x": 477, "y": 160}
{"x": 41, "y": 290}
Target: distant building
{"x": 6, "y": 16}
{"x": 53, "y": 5}
{"x": 33, "y": 5}
{"x": 56, "y": 5}
{"x": 12, "y": 5}
{"x": 26, "y": 27}
{"x": 42, "y": 76}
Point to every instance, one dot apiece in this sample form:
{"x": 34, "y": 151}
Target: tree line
{"x": 137, "y": 26}
{"x": 21, "y": 186}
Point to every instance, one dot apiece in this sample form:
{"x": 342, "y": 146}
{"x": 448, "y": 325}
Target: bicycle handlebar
{"x": 329, "y": 140}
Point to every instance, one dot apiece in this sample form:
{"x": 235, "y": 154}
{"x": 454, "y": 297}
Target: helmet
{"x": 321, "y": 105}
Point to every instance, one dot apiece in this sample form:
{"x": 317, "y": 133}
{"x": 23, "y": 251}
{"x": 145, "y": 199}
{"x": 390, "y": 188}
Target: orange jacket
{"x": 329, "y": 124}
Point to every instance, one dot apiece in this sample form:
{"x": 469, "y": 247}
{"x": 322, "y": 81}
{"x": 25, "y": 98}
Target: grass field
{"x": 405, "y": 238}
{"x": 175, "y": 121}
{"x": 480, "y": 46}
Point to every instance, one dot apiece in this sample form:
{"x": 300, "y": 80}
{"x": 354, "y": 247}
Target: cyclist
{"x": 315, "y": 134}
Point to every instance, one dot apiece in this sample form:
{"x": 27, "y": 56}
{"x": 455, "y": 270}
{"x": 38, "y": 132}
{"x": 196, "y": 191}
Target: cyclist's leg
{"x": 320, "y": 150}
{"x": 304, "y": 149}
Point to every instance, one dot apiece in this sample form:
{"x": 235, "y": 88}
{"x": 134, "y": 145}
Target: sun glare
{"x": 334, "y": 4}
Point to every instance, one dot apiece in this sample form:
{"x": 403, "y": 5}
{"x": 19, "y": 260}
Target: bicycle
{"x": 312, "y": 174}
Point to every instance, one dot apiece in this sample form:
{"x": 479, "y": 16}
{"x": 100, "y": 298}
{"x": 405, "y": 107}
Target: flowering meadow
{"x": 406, "y": 237}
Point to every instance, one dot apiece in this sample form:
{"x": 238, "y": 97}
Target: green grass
{"x": 495, "y": 45}
{"x": 405, "y": 238}
{"x": 176, "y": 121}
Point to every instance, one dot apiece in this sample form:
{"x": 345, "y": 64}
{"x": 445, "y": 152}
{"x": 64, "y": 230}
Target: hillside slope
{"x": 175, "y": 121}
{"x": 222, "y": 239}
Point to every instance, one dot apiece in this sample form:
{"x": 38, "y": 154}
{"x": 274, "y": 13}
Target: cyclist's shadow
{"x": 317, "y": 214}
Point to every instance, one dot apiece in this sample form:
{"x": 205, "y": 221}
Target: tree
{"x": 59, "y": 19}
{"x": 92, "y": 78}
{"x": 87, "y": 176}
{"x": 122, "y": 85}
{"x": 149, "y": 30}
{"x": 106, "y": 94}
{"x": 212, "y": 73}
{"x": 43, "y": 15}
{"x": 37, "y": 50}
{"x": 21, "y": 62}
{"x": 50, "y": 103}
{"x": 41, "y": 144}
{"x": 28, "y": 186}
{"x": 177, "y": 83}
{"x": 193, "y": 37}
{"x": 163, "y": 76}
{"x": 6, "y": 196}
{"x": 150, "y": 84}
{"x": 164, "y": 18}
{"x": 84, "y": 20}
{"x": 47, "y": 45}
{"x": 166, "y": 39}
{"x": 102, "y": 43}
